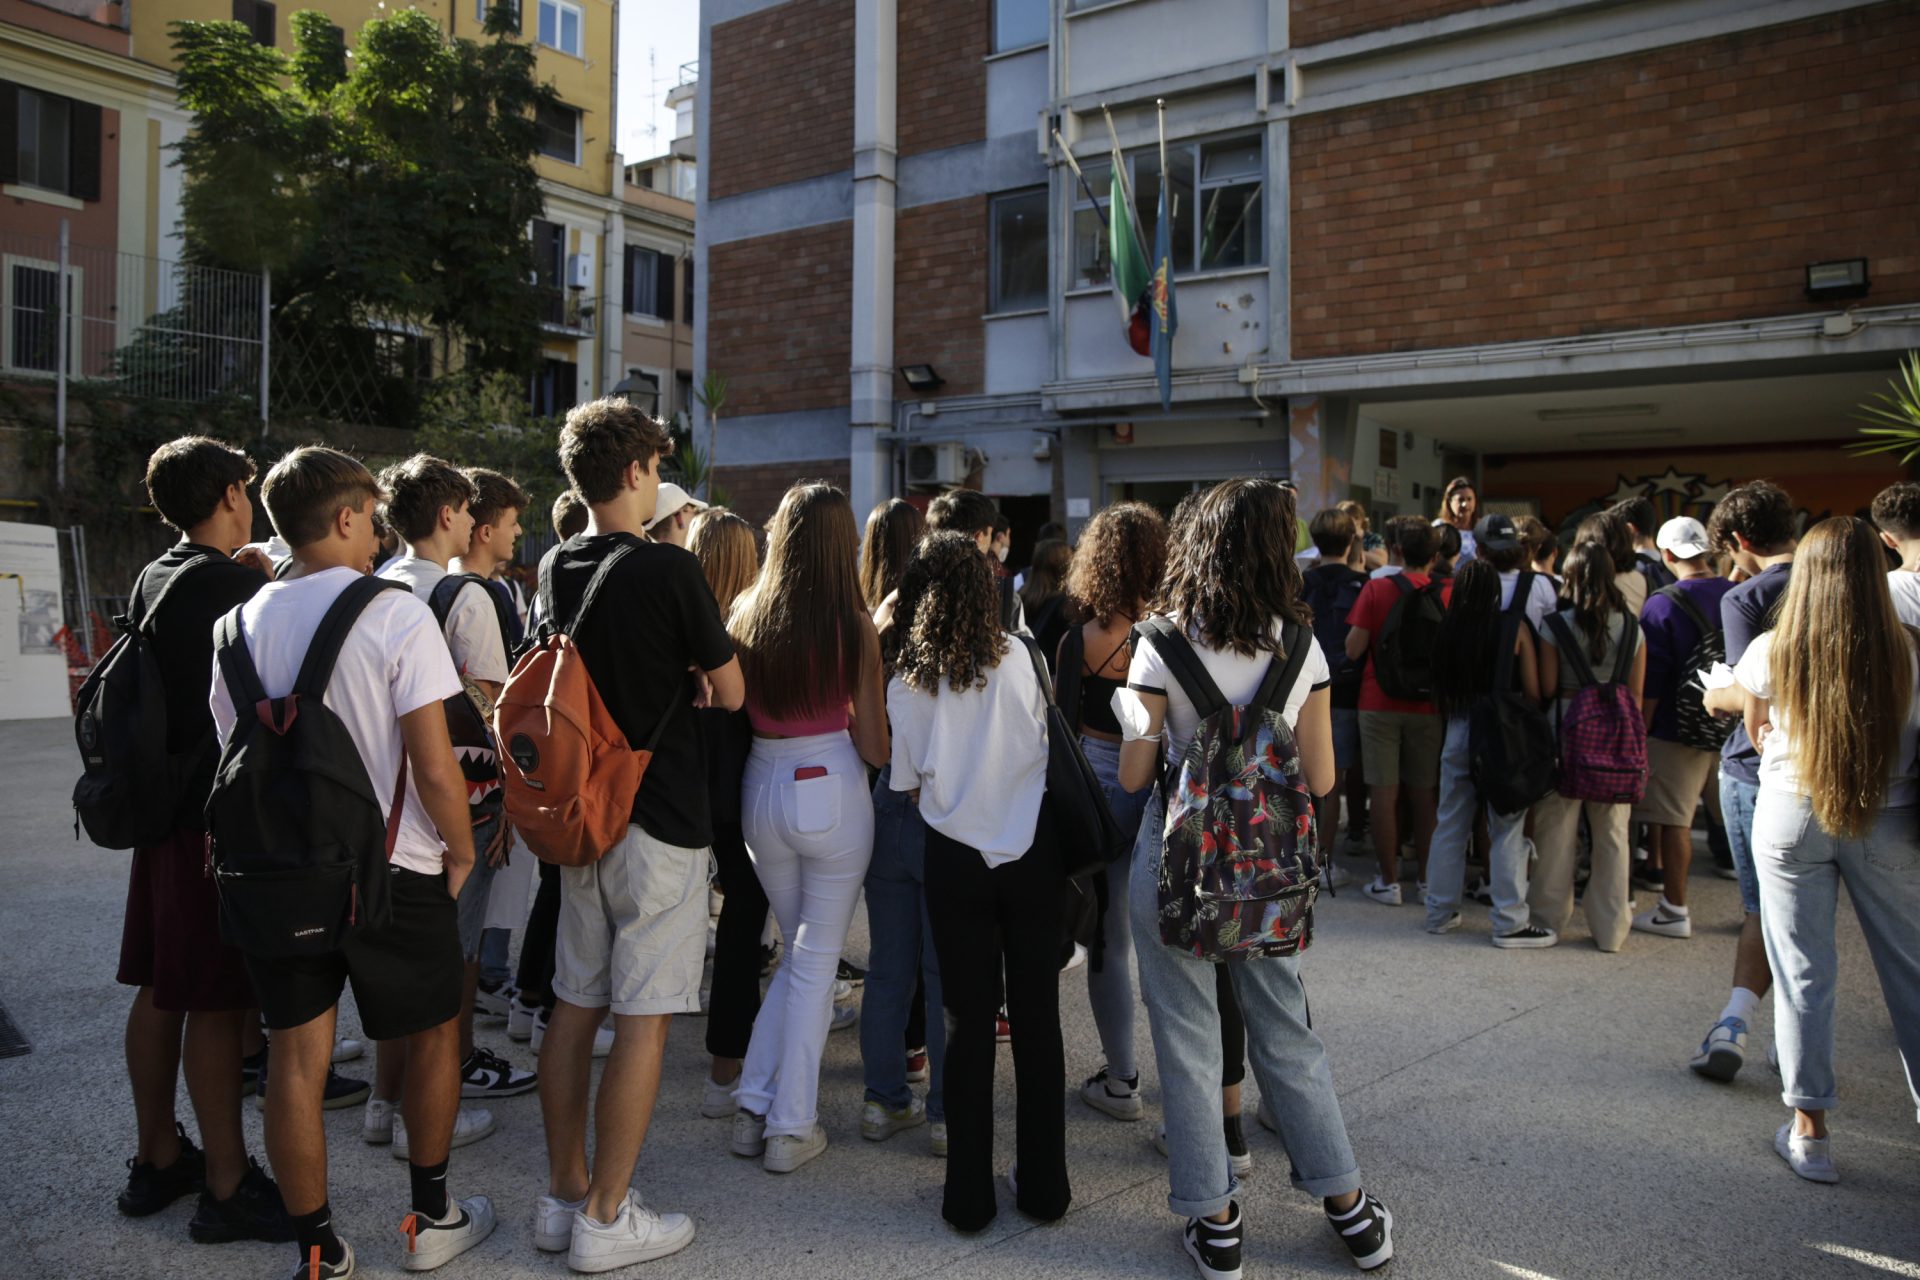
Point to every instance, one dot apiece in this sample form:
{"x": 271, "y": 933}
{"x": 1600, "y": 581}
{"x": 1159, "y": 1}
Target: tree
{"x": 713, "y": 397}
{"x": 1895, "y": 415}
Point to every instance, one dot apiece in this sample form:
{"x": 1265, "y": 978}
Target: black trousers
{"x": 735, "y": 1002}
{"x": 535, "y": 978}
{"x": 986, "y": 922}
{"x": 1233, "y": 1030}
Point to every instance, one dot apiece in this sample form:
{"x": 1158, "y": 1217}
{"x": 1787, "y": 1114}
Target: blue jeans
{"x": 1289, "y": 1060}
{"x": 1447, "y": 855}
{"x": 1111, "y": 990}
{"x": 1801, "y": 868}
{"x": 1737, "y": 800}
{"x": 900, "y": 951}
{"x": 472, "y": 911}
{"x": 494, "y": 943}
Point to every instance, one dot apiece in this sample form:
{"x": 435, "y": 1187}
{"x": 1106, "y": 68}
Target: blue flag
{"x": 1165, "y": 320}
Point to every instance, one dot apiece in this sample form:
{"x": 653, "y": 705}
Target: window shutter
{"x": 626, "y": 282}
{"x": 663, "y": 286}
{"x": 686, "y": 298}
{"x": 9, "y": 131}
{"x": 83, "y": 151}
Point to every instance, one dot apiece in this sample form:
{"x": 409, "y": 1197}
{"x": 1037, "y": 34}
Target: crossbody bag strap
{"x": 1685, "y": 604}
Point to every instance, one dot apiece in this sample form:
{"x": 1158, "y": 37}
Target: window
{"x": 555, "y": 387}
{"x": 1018, "y": 24}
{"x": 256, "y": 16}
{"x": 481, "y": 8}
{"x": 1218, "y": 222}
{"x": 1019, "y": 279}
{"x": 648, "y": 286}
{"x": 559, "y": 129}
{"x": 46, "y": 127}
{"x": 33, "y": 318}
{"x": 561, "y": 26}
{"x": 49, "y": 142}
{"x": 683, "y": 393}
{"x": 686, "y": 291}
{"x": 549, "y": 261}
{"x": 402, "y": 355}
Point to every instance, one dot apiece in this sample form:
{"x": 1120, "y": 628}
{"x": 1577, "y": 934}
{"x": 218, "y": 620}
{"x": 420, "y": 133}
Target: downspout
{"x": 611, "y": 313}
{"x": 875, "y": 147}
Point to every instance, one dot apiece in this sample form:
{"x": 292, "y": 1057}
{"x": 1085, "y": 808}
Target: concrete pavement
{"x": 1525, "y": 1114}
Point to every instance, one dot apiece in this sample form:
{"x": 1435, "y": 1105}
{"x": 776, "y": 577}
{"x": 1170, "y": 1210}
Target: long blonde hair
{"x": 728, "y": 551}
{"x": 1842, "y": 672}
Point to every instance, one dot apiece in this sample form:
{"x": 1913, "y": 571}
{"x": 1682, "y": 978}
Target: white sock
{"x": 1741, "y": 1004}
{"x": 1671, "y": 909}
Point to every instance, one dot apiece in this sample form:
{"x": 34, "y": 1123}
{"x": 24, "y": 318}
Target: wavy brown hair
{"x": 1609, "y": 528}
{"x": 946, "y": 625}
{"x": 894, "y": 527}
{"x": 728, "y": 551}
{"x": 1231, "y": 571}
{"x": 1121, "y": 558}
{"x": 1843, "y": 691}
{"x": 798, "y": 629}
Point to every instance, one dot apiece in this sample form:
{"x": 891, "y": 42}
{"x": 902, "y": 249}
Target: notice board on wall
{"x": 33, "y": 668}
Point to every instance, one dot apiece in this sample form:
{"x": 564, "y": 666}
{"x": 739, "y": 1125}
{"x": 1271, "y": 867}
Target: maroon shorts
{"x": 171, "y": 938}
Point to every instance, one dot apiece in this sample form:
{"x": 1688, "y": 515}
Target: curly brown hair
{"x": 946, "y": 624}
{"x": 1121, "y": 558}
{"x": 1231, "y": 570}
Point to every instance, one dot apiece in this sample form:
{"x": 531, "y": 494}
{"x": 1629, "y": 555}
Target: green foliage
{"x": 688, "y": 468}
{"x": 713, "y": 397}
{"x": 1896, "y": 415}
{"x": 482, "y": 420}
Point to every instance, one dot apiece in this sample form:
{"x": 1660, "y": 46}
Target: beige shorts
{"x": 1401, "y": 746}
{"x": 1676, "y": 776}
{"x": 633, "y": 928}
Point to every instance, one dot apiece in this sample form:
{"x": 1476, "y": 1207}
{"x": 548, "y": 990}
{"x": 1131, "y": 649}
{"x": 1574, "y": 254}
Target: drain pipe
{"x": 875, "y": 139}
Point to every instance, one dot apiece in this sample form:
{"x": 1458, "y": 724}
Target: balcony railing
{"x": 569, "y": 312}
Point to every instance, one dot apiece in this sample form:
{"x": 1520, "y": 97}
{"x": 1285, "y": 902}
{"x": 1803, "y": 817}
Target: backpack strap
{"x": 543, "y": 589}
{"x": 1629, "y": 640}
{"x": 148, "y": 611}
{"x": 1569, "y": 645}
{"x": 1032, "y": 647}
{"x": 1508, "y": 636}
{"x": 1685, "y": 604}
{"x": 1177, "y": 651}
{"x": 236, "y": 662}
{"x": 592, "y": 593}
{"x": 1277, "y": 685}
{"x": 447, "y": 591}
{"x": 1067, "y": 674}
{"x": 316, "y": 669}
{"x": 1522, "y": 592}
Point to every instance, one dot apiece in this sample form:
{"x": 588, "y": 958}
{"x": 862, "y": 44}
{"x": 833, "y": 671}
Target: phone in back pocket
{"x": 816, "y": 800}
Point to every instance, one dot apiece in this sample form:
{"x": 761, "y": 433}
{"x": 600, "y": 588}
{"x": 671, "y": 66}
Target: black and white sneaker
{"x": 314, "y": 1267}
{"x": 1118, "y": 1096}
{"x": 1367, "y": 1229}
{"x": 488, "y": 1075}
{"x": 1528, "y": 937}
{"x": 340, "y": 1092}
{"x": 851, "y": 973}
{"x": 494, "y": 1000}
{"x": 1215, "y": 1246}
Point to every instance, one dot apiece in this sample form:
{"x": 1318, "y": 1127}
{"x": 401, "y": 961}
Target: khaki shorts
{"x": 1676, "y": 776}
{"x": 1401, "y": 746}
{"x": 633, "y": 929}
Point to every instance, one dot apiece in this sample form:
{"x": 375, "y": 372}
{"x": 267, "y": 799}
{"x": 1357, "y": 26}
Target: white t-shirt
{"x": 1905, "y": 588}
{"x": 1776, "y": 757}
{"x": 978, "y": 756}
{"x": 473, "y": 625}
{"x": 1386, "y": 571}
{"x": 393, "y": 662}
{"x": 1237, "y": 676}
{"x": 1542, "y": 597}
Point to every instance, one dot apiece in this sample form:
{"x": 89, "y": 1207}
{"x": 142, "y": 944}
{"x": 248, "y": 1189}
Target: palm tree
{"x": 713, "y": 397}
{"x": 1896, "y": 415}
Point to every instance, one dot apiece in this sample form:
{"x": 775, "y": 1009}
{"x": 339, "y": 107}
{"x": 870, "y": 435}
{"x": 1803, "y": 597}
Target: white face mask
{"x": 1001, "y": 554}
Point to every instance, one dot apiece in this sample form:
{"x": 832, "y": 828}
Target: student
{"x": 893, "y": 530}
{"x": 1610, "y": 529}
{"x": 1460, "y": 507}
{"x": 809, "y": 651}
{"x": 970, "y": 745}
{"x": 1446, "y": 549}
{"x": 1642, "y": 521}
{"x": 971, "y": 512}
{"x": 1500, "y": 541}
{"x": 1597, "y": 618}
{"x": 1542, "y": 547}
{"x": 1395, "y": 562}
{"x": 1002, "y": 544}
{"x": 429, "y": 503}
{"x": 1044, "y": 600}
{"x": 1896, "y": 511}
{"x": 1369, "y": 548}
{"x": 1754, "y": 524}
{"x": 1051, "y": 531}
{"x": 1466, "y": 660}
{"x": 388, "y": 686}
{"x": 1234, "y": 624}
{"x": 729, "y": 554}
{"x": 633, "y": 926}
{"x": 569, "y": 514}
{"x": 1676, "y": 773}
{"x": 1117, "y": 569}
{"x": 193, "y": 998}
{"x": 674, "y": 515}
{"x": 1837, "y": 715}
{"x": 1329, "y": 589}
{"x": 1400, "y": 738}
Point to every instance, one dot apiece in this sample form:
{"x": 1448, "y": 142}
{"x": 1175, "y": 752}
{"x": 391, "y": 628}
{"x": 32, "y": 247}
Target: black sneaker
{"x": 1367, "y": 1229}
{"x": 488, "y": 1075}
{"x": 851, "y": 972}
{"x": 252, "y": 1212}
{"x": 1237, "y": 1153}
{"x": 341, "y": 1092}
{"x": 250, "y": 1068}
{"x": 1215, "y": 1246}
{"x": 150, "y": 1189}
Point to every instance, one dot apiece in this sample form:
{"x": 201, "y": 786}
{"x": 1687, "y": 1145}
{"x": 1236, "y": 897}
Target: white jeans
{"x": 810, "y": 838}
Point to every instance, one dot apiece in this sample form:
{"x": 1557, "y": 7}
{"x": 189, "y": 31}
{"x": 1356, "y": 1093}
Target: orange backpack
{"x": 568, "y": 773}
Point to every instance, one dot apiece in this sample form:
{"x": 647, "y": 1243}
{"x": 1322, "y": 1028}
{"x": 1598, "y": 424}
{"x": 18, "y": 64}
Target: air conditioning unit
{"x": 936, "y": 464}
{"x": 579, "y": 271}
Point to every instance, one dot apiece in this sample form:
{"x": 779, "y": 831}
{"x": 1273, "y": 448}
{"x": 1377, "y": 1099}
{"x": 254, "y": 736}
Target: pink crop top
{"x": 832, "y": 719}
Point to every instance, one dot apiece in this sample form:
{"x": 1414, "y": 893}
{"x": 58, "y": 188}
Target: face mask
{"x": 1001, "y": 554}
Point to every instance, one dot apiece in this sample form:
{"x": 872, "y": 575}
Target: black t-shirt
{"x": 182, "y": 639}
{"x": 655, "y": 616}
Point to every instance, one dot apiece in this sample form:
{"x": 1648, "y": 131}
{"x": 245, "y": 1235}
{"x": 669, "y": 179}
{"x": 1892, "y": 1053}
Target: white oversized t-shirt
{"x": 473, "y": 625}
{"x": 1237, "y": 676}
{"x": 1904, "y": 587}
{"x": 1755, "y": 672}
{"x": 394, "y": 661}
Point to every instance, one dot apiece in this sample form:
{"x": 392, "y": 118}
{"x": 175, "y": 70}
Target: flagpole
{"x": 1126, "y": 183}
{"x": 1075, "y": 166}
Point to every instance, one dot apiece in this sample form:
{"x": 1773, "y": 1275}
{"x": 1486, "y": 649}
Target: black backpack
{"x": 1511, "y": 748}
{"x": 1654, "y": 570}
{"x": 467, "y": 726}
{"x": 1694, "y": 725}
{"x": 1330, "y": 590}
{"x": 299, "y": 838}
{"x": 1403, "y": 664}
{"x": 130, "y": 784}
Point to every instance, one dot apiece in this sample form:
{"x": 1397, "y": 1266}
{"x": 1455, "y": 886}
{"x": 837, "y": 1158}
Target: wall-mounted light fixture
{"x": 921, "y": 377}
{"x": 1846, "y": 278}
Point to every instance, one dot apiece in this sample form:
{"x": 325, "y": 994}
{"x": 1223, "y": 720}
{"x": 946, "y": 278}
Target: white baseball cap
{"x": 1684, "y": 536}
{"x": 672, "y": 500}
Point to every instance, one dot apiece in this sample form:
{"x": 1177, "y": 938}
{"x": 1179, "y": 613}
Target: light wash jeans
{"x": 1453, "y": 831}
{"x": 1800, "y": 869}
{"x": 1737, "y": 802}
{"x": 1111, "y": 991}
{"x": 810, "y": 841}
{"x": 900, "y": 949}
{"x": 1289, "y": 1061}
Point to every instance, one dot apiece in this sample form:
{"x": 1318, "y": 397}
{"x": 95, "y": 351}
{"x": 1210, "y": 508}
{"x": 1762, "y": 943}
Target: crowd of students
{"x": 865, "y": 714}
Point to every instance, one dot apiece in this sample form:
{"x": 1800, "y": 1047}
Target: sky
{"x": 670, "y": 31}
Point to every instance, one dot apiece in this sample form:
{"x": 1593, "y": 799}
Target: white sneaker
{"x": 553, "y": 1223}
{"x": 377, "y": 1128}
{"x": 318, "y": 1270}
{"x": 520, "y": 1019}
{"x": 433, "y": 1244}
{"x": 1663, "y": 921}
{"x": 1115, "y": 1095}
{"x": 785, "y": 1153}
{"x": 937, "y": 1139}
{"x": 471, "y": 1125}
{"x": 1811, "y": 1158}
{"x": 878, "y": 1122}
{"x": 636, "y": 1234}
{"x": 1074, "y": 961}
{"x": 1723, "y": 1052}
{"x": 1448, "y": 925}
{"x": 1382, "y": 892}
{"x": 346, "y": 1049}
{"x": 602, "y": 1039}
{"x": 749, "y": 1134}
{"x": 497, "y": 1003}
{"x": 846, "y": 1010}
{"x": 717, "y": 1100}
{"x": 1335, "y": 877}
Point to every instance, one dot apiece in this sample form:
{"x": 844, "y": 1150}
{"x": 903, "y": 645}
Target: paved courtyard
{"x": 1525, "y": 1114}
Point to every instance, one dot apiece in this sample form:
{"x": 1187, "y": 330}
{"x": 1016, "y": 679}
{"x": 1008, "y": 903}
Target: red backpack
{"x": 1603, "y": 738}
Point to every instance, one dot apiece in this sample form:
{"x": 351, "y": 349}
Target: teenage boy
{"x": 387, "y": 687}
{"x": 674, "y": 516}
{"x": 1755, "y": 525}
{"x": 193, "y": 990}
{"x": 430, "y": 505}
{"x": 1676, "y": 773}
{"x": 1896, "y": 513}
{"x": 1400, "y": 739}
{"x": 1499, "y": 540}
{"x": 1460, "y": 507}
{"x": 1642, "y": 520}
{"x": 1330, "y": 588}
{"x": 633, "y": 926}
{"x": 973, "y": 513}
